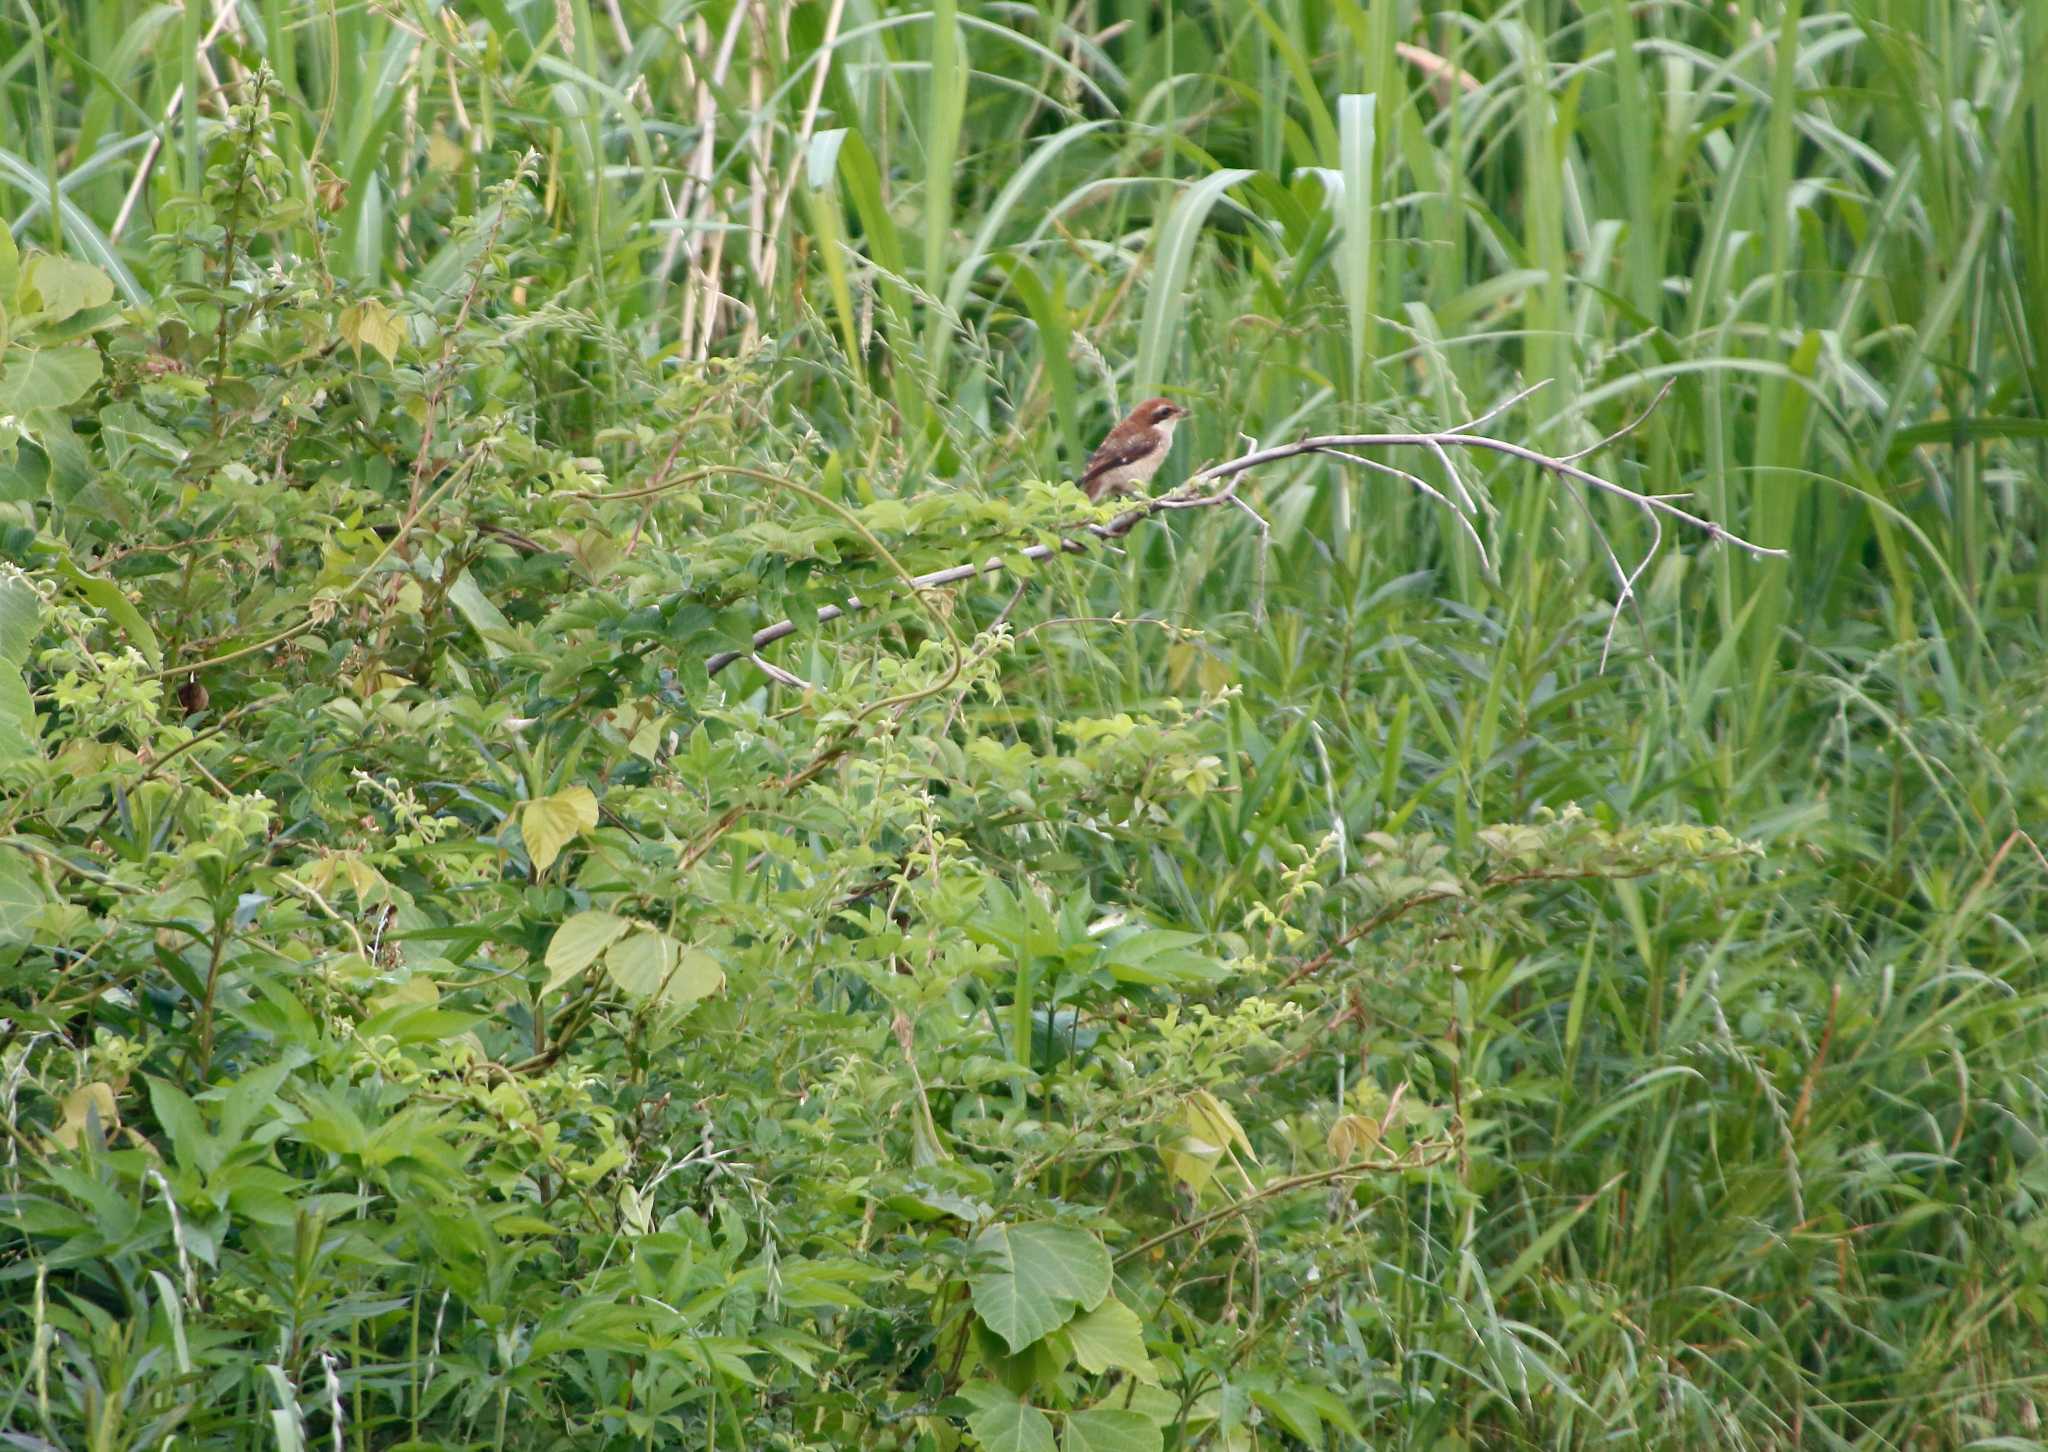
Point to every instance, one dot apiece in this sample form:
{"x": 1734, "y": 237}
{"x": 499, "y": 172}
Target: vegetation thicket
{"x": 1427, "y": 962}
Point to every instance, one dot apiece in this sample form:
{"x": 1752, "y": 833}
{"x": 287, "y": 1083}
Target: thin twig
{"x": 1420, "y": 1157}
{"x": 1417, "y": 482}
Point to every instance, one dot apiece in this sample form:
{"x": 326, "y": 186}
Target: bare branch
{"x": 1417, "y": 482}
{"x": 1329, "y": 443}
{"x": 1499, "y": 408}
{"x": 1626, "y": 429}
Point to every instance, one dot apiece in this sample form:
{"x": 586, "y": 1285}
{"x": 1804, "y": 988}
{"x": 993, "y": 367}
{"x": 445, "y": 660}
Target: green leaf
{"x": 1111, "y": 1338}
{"x": 1164, "y": 322}
{"x": 577, "y": 943}
{"x": 1291, "y": 1412}
{"x": 651, "y": 962}
{"x": 1356, "y": 120}
{"x": 1040, "y": 1275}
{"x": 108, "y": 597}
{"x": 1159, "y": 957}
{"x": 548, "y": 824}
{"x": 126, "y": 430}
{"x": 1002, "y": 1422}
{"x": 66, "y": 287}
{"x": 482, "y": 615}
{"x": 20, "y": 610}
{"x": 417, "y": 1023}
{"x": 19, "y": 728}
{"x": 20, "y": 895}
{"x": 39, "y": 378}
{"x": 640, "y": 964}
{"x": 1107, "y": 1429}
{"x": 191, "y": 1146}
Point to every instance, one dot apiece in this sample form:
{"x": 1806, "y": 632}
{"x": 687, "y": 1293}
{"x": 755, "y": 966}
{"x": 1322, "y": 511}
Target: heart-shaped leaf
{"x": 651, "y": 963}
{"x": 1111, "y": 1337}
{"x": 548, "y": 824}
{"x": 1003, "y": 1423}
{"x": 1110, "y": 1429}
{"x": 1038, "y": 1276}
{"x": 38, "y": 378}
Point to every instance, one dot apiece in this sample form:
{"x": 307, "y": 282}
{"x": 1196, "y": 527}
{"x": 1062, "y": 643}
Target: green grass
{"x": 1752, "y": 1160}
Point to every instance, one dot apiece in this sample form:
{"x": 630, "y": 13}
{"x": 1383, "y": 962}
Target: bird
{"x": 1132, "y": 452}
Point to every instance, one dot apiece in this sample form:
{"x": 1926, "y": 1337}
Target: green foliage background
{"x": 1227, "y": 991}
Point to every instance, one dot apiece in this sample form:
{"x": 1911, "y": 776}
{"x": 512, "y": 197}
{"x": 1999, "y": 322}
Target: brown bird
{"x": 1134, "y": 450}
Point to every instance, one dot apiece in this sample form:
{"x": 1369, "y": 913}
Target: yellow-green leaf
{"x": 1351, "y": 1135}
{"x": 577, "y": 943}
{"x": 83, "y": 1106}
{"x": 548, "y": 824}
{"x": 19, "y": 728}
{"x": 38, "y": 378}
{"x": 1108, "y": 1338}
{"x": 1211, "y": 1118}
{"x": 66, "y": 287}
{"x": 697, "y": 976}
{"x": 650, "y": 963}
{"x": 640, "y": 964}
{"x": 1192, "y": 1161}
{"x": 369, "y": 324}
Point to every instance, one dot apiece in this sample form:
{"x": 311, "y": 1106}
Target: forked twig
{"x": 1198, "y": 493}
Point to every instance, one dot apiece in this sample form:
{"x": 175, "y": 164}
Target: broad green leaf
{"x": 1110, "y": 1338}
{"x": 1108, "y": 1429}
{"x": 1159, "y": 957}
{"x": 651, "y": 962}
{"x": 20, "y": 610}
{"x": 108, "y": 596}
{"x": 10, "y": 272}
{"x": 1004, "y": 1423}
{"x": 697, "y": 976}
{"x": 417, "y": 1023}
{"x": 1356, "y": 119}
{"x": 548, "y": 824}
{"x": 640, "y": 964}
{"x": 39, "y": 378}
{"x": 1037, "y": 1277}
{"x": 21, "y": 897}
{"x": 19, "y": 728}
{"x": 1291, "y": 1412}
{"x": 255, "y": 1093}
{"x": 66, "y": 287}
{"x": 191, "y": 1146}
{"x": 482, "y": 615}
{"x": 126, "y": 429}
{"x": 577, "y": 943}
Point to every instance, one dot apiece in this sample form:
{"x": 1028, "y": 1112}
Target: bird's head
{"x": 1158, "y": 413}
